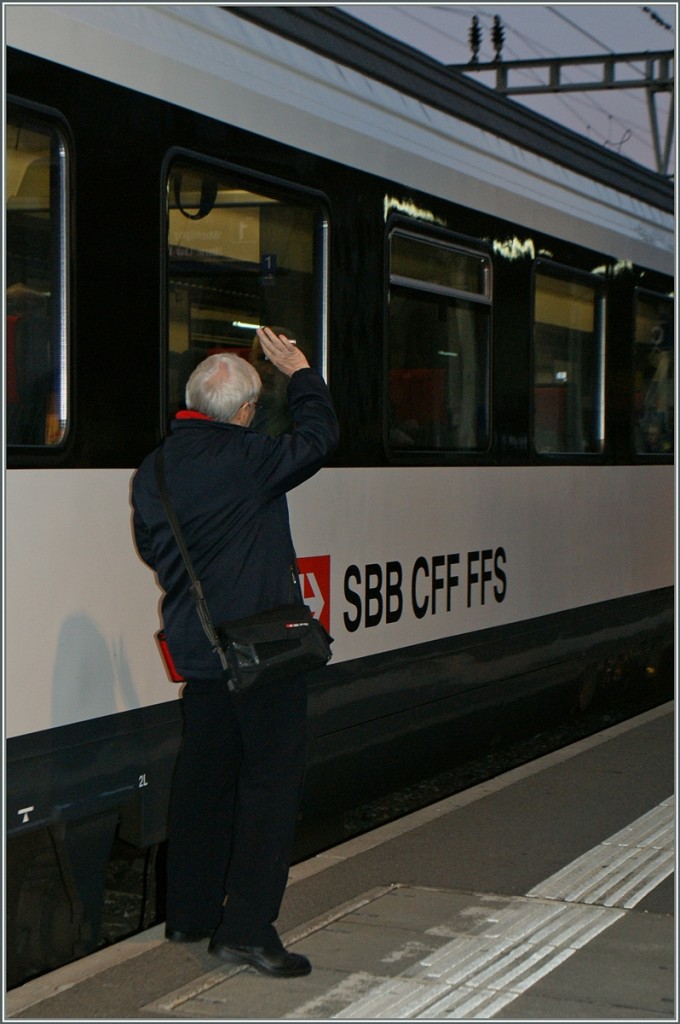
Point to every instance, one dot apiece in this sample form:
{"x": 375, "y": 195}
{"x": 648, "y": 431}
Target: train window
{"x": 654, "y": 375}
{"x": 438, "y": 346}
{"x": 568, "y": 349}
{"x": 36, "y": 382}
{"x": 240, "y": 256}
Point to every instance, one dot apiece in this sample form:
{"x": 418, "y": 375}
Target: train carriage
{"x": 492, "y": 302}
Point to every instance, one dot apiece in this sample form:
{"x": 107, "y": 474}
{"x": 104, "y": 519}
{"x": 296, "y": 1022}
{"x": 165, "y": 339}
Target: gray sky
{"x": 618, "y": 119}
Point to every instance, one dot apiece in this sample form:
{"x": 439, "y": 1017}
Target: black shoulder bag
{"x": 262, "y": 648}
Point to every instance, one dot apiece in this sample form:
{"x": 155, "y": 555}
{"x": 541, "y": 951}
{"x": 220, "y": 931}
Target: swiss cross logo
{"x": 315, "y": 580}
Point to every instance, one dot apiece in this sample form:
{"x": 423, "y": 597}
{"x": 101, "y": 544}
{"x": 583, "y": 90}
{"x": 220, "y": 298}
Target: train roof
{"x": 342, "y": 38}
{"x": 323, "y": 82}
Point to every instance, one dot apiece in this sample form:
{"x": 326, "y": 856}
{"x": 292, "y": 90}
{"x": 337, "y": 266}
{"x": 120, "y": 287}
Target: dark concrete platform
{"x": 545, "y": 894}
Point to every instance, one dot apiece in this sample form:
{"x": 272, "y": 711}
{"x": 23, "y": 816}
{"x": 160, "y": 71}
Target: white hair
{"x": 220, "y": 385}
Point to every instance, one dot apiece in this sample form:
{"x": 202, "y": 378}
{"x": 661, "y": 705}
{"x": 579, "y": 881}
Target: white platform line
{"x": 621, "y": 870}
{"x": 491, "y": 968}
{"x": 478, "y": 973}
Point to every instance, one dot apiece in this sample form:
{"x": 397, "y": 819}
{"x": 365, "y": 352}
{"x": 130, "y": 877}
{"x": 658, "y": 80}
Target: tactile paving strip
{"x": 405, "y": 952}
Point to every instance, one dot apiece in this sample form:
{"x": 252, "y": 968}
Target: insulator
{"x": 497, "y": 36}
{"x": 475, "y": 38}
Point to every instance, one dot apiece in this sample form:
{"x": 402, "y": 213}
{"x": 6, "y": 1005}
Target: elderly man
{"x": 239, "y": 773}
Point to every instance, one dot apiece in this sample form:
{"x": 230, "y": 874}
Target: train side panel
{"x": 440, "y": 552}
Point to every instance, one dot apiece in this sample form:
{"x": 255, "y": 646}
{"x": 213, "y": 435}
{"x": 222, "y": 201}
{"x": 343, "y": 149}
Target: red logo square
{"x": 315, "y": 580}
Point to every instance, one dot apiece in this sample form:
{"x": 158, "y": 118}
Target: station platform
{"x": 544, "y": 894}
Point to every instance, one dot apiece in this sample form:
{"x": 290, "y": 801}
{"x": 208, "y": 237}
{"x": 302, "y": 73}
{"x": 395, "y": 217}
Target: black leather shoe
{"x": 175, "y": 935}
{"x": 278, "y": 963}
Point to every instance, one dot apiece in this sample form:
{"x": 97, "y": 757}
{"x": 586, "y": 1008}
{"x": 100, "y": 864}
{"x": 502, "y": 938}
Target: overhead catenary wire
{"x": 657, "y": 18}
{"x": 442, "y": 32}
{"x": 582, "y": 105}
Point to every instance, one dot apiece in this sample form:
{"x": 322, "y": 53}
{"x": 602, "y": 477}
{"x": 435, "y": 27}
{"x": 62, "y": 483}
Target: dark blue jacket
{"x": 228, "y": 487}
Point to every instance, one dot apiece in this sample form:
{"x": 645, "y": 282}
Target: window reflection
{"x": 438, "y": 347}
{"x": 36, "y": 341}
{"x": 568, "y": 346}
{"x": 654, "y": 375}
{"x": 239, "y": 258}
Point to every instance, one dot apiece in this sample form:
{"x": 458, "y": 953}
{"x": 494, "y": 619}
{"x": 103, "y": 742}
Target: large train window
{"x": 36, "y": 383}
{"x": 568, "y": 351}
{"x": 654, "y": 374}
{"x": 241, "y": 255}
{"x": 438, "y": 346}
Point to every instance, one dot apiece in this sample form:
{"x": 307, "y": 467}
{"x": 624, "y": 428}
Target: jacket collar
{"x": 191, "y": 414}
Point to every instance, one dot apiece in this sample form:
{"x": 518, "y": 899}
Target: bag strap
{"x": 196, "y": 586}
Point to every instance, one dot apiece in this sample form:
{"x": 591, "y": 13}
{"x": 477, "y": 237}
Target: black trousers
{"x": 234, "y": 802}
